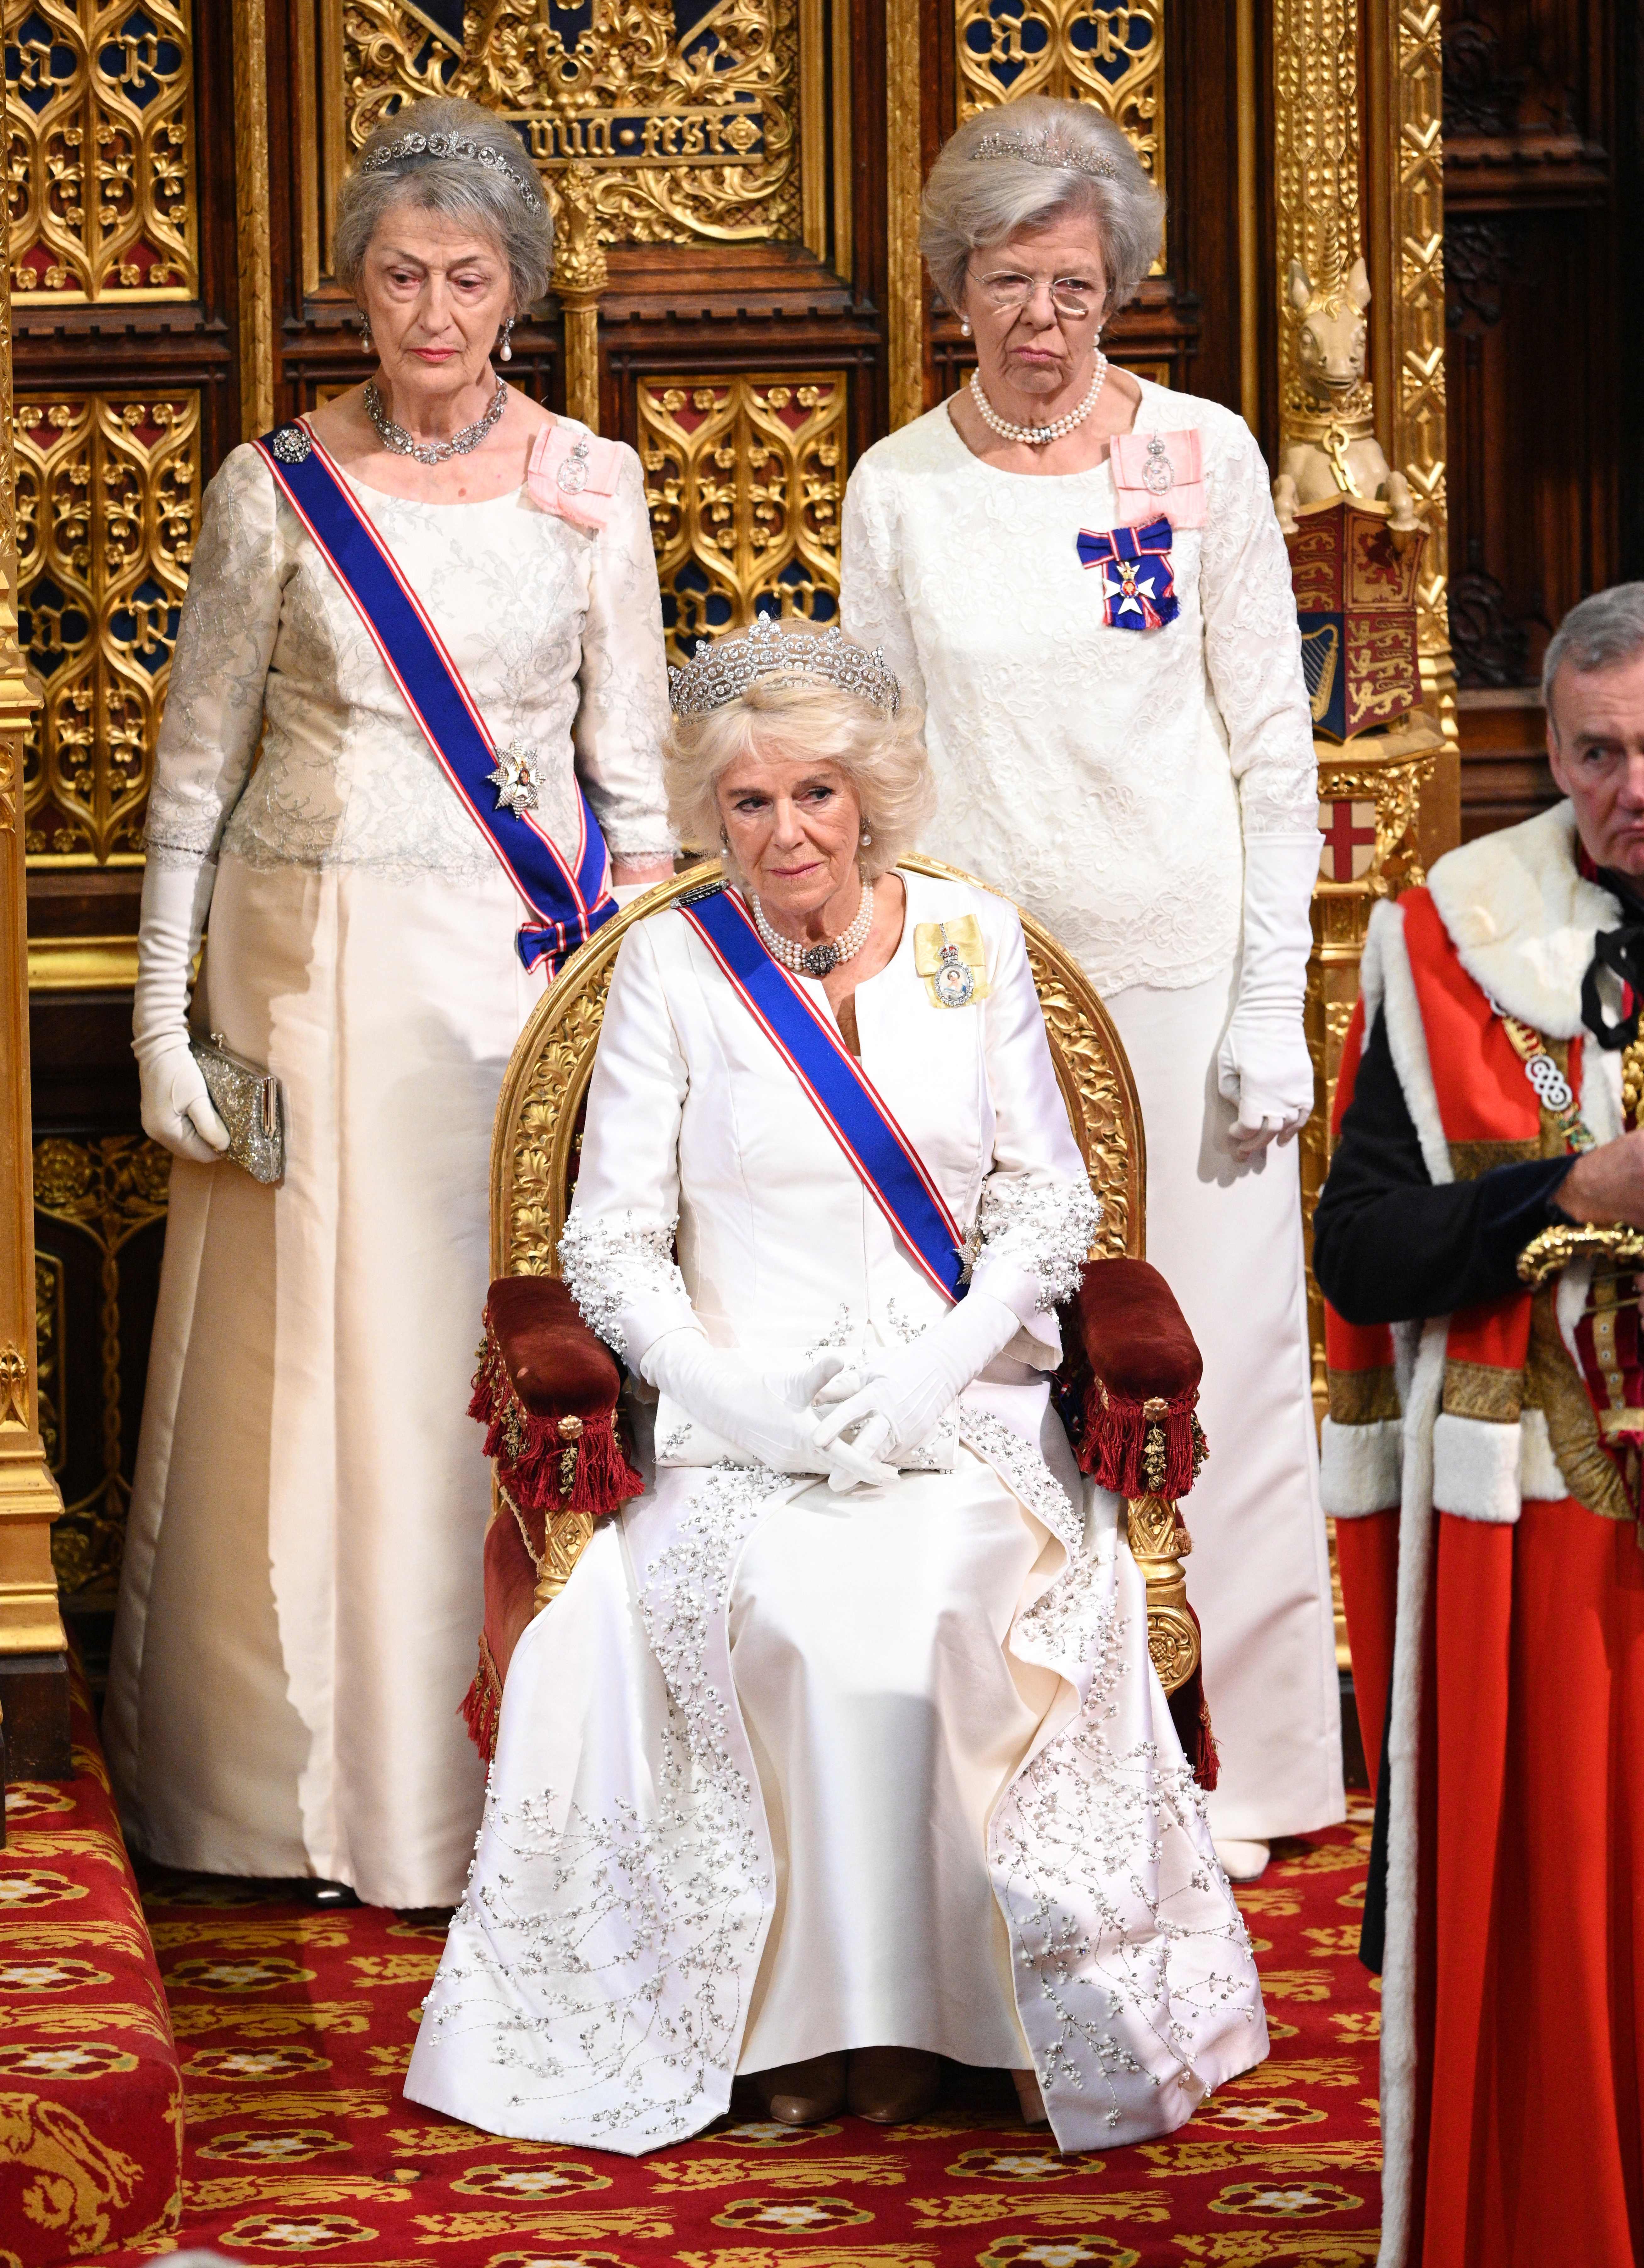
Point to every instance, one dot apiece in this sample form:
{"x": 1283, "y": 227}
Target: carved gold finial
{"x": 580, "y": 265}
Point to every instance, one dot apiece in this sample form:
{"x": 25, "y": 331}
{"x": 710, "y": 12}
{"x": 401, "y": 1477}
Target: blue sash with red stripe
{"x": 567, "y": 901}
{"x": 882, "y": 1155}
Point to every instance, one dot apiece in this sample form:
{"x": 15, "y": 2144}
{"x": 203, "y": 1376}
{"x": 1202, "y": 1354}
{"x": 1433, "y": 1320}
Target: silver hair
{"x": 1603, "y": 632}
{"x": 461, "y": 188}
{"x": 972, "y": 203}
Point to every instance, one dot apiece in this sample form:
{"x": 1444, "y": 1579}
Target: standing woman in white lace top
{"x": 303, "y": 1567}
{"x": 1080, "y": 576}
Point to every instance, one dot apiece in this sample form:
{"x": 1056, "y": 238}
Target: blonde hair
{"x": 882, "y": 757}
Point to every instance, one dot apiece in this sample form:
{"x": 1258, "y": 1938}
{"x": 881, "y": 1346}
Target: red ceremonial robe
{"x": 1500, "y": 1619}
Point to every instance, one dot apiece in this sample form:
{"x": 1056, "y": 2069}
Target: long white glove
{"x": 907, "y": 1391}
{"x": 769, "y": 1415}
{"x": 176, "y": 1109}
{"x": 1263, "y": 1066}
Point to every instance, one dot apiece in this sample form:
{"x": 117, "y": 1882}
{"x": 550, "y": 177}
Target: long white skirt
{"x": 887, "y": 1717}
{"x": 1228, "y": 1237}
{"x": 302, "y": 1574}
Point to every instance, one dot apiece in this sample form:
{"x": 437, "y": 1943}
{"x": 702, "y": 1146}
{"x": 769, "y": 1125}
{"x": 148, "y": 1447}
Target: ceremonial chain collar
{"x": 432, "y": 452}
{"x": 817, "y": 960}
{"x": 1039, "y": 434}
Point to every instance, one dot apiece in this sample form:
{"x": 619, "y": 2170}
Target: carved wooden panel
{"x": 1080, "y": 49}
{"x": 100, "y": 163}
{"x": 108, "y": 504}
{"x": 98, "y": 1207}
{"x": 689, "y": 116}
{"x": 745, "y": 479}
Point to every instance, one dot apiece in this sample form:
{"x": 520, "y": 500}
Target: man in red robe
{"x": 1482, "y": 1458}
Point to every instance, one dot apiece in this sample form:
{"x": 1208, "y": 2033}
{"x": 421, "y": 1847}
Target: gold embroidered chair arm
{"x": 1545, "y": 1255}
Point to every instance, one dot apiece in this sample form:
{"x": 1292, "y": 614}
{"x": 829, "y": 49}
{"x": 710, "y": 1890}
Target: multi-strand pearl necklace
{"x": 1039, "y": 434}
{"x": 817, "y": 960}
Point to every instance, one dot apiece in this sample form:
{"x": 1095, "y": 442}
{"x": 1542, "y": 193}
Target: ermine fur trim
{"x": 1358, "y": 1467}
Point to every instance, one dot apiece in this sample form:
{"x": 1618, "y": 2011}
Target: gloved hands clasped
{"x": 849, "y": 1425}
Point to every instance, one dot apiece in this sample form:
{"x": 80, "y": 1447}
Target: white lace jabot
{"x": 557, "y": 633}
{"x": 1097, "y": 775}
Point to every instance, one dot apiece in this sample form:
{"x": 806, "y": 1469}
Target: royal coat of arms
{"x": 1354, "y": 579}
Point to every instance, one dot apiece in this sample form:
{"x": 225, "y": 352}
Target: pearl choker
{"x": 1039, "y": 434}
{"x": 817, "y": 960}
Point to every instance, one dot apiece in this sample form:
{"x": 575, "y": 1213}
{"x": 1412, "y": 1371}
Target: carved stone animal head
{"x": 1333, "y": 336}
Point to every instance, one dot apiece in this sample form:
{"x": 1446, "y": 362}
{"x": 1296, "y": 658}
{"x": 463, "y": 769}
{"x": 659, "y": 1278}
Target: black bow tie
{"x": 1621, "y": 951}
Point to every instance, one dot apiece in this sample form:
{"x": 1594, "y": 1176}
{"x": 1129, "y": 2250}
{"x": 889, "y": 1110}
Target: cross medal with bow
{"x": 1138, "y": 587}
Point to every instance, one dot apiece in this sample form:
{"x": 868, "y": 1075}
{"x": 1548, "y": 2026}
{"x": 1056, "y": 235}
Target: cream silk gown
{"x": 782, "y": 1772}
{"x": 1105, "y": 779}
{"x": 302, "y": 1579}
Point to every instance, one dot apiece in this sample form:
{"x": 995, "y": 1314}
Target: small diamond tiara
{"x": 449, "y": 145}
{"x": 725, "y": 670}
{"x": 1046, "y": 146}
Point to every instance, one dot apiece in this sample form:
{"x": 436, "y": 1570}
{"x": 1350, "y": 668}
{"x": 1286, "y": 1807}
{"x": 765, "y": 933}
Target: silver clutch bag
{"x": 247, "y": 1097}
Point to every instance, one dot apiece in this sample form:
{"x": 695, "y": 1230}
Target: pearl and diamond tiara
{"x": 725, "y": 670}
{"x": 449, "y": 145}
{"x": 1045, "y": 145}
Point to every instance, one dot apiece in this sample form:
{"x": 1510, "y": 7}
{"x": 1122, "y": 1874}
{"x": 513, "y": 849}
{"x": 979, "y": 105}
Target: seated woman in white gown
{"x": 841, "y": 1751}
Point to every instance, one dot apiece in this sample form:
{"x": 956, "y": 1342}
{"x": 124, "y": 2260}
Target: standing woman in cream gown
{"x": 1080, "y": 575}
{"x": 302, "y": 1577}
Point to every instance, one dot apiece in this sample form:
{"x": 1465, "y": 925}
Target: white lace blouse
{"x": 1097, "y": 775}
{"x": 557, "y": 633}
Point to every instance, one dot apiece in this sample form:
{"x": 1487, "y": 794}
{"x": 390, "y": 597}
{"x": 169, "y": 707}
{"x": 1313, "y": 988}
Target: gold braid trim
{"x": 1363, "y": 1397}
{"x": 1483, "y": 1389}
{"x": 1553, "y": 1383}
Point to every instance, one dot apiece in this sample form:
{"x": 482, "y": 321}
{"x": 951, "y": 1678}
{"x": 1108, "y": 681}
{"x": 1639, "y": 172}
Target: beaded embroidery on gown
{"x": 303, "y": 1567}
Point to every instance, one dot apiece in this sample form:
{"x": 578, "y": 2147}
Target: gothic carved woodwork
{"x": 1114, "y": 57}
{"x": 745, "y": 480}
{"x": 689, "y": 118}
{"x": 97, "y": 1205}
{"x": 101, "y": 161}
{"x": 107, "y": 507}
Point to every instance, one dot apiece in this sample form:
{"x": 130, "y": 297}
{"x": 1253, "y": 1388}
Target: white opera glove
{"x": 767, "y": 1414}
{"x": 1263, "y": 1067}
{"x": 907, "y": 1391}
{"x": 176, "y": 1109}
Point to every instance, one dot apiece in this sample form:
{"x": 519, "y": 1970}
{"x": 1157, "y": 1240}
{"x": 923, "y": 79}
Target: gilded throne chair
{"x": 548, "y": 1391}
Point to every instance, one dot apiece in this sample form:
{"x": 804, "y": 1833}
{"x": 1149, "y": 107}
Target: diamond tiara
{"x": 449, "y": 145}
{"x": 1044, "y": 146}
{"x": 725, "y": 670}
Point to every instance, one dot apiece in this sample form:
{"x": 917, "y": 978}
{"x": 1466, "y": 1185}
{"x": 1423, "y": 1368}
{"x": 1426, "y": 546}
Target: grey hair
{"x": 459, "y": 187}
{"x": 1603, "y": 632}
{"x": 973, "y": 203}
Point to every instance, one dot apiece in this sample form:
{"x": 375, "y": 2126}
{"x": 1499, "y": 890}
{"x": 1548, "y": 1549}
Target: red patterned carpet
{"x": 294, "y": 2028}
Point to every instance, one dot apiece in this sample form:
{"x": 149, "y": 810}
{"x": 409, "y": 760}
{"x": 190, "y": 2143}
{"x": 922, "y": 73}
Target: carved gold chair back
{"x": 538, "y": 1116}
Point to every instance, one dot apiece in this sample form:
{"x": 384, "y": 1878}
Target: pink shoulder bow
{"x": 1159, "y": 474}
{"x": 572, "y": 474}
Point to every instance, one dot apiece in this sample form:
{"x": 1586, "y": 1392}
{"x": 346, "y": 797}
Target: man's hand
{"x": 1606, "y": 1185}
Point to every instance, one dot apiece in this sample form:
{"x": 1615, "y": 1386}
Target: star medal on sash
{"x": 517, "y": 778}
{"x": 1138, "y": 581}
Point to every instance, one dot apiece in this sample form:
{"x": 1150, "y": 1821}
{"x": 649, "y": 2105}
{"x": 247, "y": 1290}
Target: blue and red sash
{"x": 568, "y": 902}
{"x": 883, "y": 1157}
{"x": 1138, "y": 580}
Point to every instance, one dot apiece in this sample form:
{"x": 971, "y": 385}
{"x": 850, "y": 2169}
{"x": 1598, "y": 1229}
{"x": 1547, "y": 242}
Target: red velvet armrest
{"x": 546, "y": 1393}
{"x": 1133, "y": 1370}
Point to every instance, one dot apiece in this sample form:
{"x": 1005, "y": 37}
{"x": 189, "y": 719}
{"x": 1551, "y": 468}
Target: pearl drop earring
{"x": 964, "y": 329}
{"x": 366, "y": 340}
{"x": 507, "y": 353}
{"x": 866, "y": 838}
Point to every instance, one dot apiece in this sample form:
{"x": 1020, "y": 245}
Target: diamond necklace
{"x": 1039, "y": 434}
{"x": 431, "y": 453}
{"x": 817, "y": 960}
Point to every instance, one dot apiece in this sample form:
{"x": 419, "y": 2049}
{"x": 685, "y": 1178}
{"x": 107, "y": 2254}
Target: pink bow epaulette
{"x": 572, "y": 474}
{"x": 1159, "y": 474}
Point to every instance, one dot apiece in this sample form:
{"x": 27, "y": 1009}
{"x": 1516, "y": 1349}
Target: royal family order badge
{"x": 1355, "y": 594}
